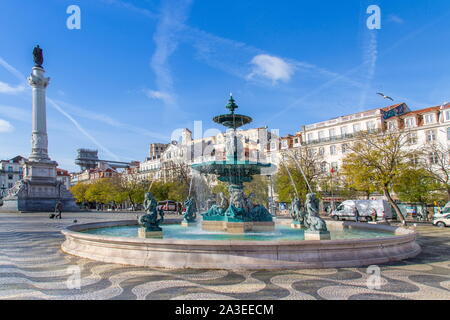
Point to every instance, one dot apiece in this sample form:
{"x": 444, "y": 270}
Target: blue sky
{"x": 139, "y": 69}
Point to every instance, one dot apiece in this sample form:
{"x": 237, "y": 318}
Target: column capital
{"x": 37, "y": 79}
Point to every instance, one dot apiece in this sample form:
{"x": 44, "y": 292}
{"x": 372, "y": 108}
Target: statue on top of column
{"x": 38, "y": 57}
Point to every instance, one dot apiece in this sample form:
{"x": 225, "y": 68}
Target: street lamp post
{"x": 271, "y": 204}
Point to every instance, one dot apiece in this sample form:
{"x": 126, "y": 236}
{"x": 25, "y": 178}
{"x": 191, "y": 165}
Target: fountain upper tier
{"x": 232, "y": 120}
{"x": 232, "y": 171}
{"x": 236, "y": 169}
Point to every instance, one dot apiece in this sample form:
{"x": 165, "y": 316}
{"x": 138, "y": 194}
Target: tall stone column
{"x": 39, "y": 190}
{"x": 39, "y": 140}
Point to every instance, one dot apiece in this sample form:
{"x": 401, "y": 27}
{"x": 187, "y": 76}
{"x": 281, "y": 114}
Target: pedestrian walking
{"x": 374, "y": 215}
{"x": 58, "y": 210}
{"x": 356, "y": 213}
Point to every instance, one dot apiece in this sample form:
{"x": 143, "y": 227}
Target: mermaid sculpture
{"x": 191, "y": 210}
{"x": 313, "y": 221}
{"x": 150, "y": 220}
{"x": 297, "y": 214}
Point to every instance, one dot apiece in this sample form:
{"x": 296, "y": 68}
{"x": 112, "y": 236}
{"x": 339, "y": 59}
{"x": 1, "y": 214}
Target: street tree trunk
{"x": 132, "y": 202}
{"x": 394, "y": 205}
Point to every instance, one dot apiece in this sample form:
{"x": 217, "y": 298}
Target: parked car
{"x": 365, "y": 207}
{"x": 442, "y": 221}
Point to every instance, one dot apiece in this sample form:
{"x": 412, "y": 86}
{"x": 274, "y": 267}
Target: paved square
{"x": 32, "y": 266}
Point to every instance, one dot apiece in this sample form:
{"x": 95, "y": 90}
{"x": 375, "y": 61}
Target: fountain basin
{"x": 398, "y": 244}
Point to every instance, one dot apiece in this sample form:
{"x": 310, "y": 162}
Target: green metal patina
{"x": 234, "y": 171}
{"x": 232, "y": 120}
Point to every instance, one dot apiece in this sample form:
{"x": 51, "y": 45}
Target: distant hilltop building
{"x": 88, "y": 159}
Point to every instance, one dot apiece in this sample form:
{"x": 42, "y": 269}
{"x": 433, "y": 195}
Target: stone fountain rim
{"x": 400, "y": 233}
{"x": 238, "y": 254}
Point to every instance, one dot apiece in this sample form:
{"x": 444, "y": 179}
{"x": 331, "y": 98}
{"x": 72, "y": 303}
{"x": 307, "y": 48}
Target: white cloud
{"x": 271, "y": 67}
{"x": 5, "y": 126}
{"x": 8, "y": 89}
{"x": 154, "y": 94}
{"x": 396, "y": 19}
{"x": 173, "y": 15}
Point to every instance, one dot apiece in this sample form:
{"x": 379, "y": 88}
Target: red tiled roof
{"x": 421, "y": 111}
{"x": 62, "y": 172}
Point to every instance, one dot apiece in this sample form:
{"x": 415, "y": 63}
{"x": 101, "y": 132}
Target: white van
{"x": 442, "y": 221}
{"x": 345, "y": 210}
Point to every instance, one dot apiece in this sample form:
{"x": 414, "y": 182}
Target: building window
{"x": 10, "y": 185}
{"x": 447, "y": 115}
{"x": 431, "y": 135}
{"x": 323, "y": 167}
{"x": 370, "y": 126}
{"x": 356, "y": 127}
{"x": 310, "y": 153}
{"x": 273, "y": 145}
{"x": 414, "y": 160}
{"x": 429, "y": 118}
{"x": 434, "y": 158}
{"x": 296, "y": 140}
{"x": 321, "y": 151}
{"x": 332, "y": 150}
{"x": 409, "y": 122}
{"x": 10, "y": 169}
{"x": 10, "y": 176}
{"x": 344, "y": 148}
{"x": 448, "y": 133}
{"x": 391, "y": 125}
{"x": 334, "y": 166}
{"x": 344, "y": 131}
{"x": 411, "y": 138}
{"x": 332, "y": 133}
{"x": 321, "y": 136}
{"x": 310, "y": 137}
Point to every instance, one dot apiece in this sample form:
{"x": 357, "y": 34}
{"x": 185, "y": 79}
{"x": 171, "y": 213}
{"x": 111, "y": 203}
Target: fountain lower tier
{"x": 239, "y": 215}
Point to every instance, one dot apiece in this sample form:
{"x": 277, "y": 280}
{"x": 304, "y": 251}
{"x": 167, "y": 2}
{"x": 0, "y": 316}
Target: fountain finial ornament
{"x": 231, "y": 104}
{"x": 38, "y": 56}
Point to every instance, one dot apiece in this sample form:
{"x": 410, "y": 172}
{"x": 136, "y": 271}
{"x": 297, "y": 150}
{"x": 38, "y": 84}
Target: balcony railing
{"x": 339, "y": 137}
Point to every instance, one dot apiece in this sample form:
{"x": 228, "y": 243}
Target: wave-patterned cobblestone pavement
{"x": 32, "y": 266}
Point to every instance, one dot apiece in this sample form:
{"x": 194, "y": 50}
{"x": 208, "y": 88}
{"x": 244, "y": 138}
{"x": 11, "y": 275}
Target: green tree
{"x": 129, "y": 188}
{"x": 259, "y": 186}
{"x": 360, "y": 179}
{"x": 383, "y": 157}
{"x": 435, "y": 161}
{"x": 221, "y": 187}
{"x": 415, "y": 185}
{"x": 160, "y": 190}
{"x": 79, "y": 192}
{"x": 100, "y": 191}
{"x": 178, "y": 191}
{"x": 289, "y": 183}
